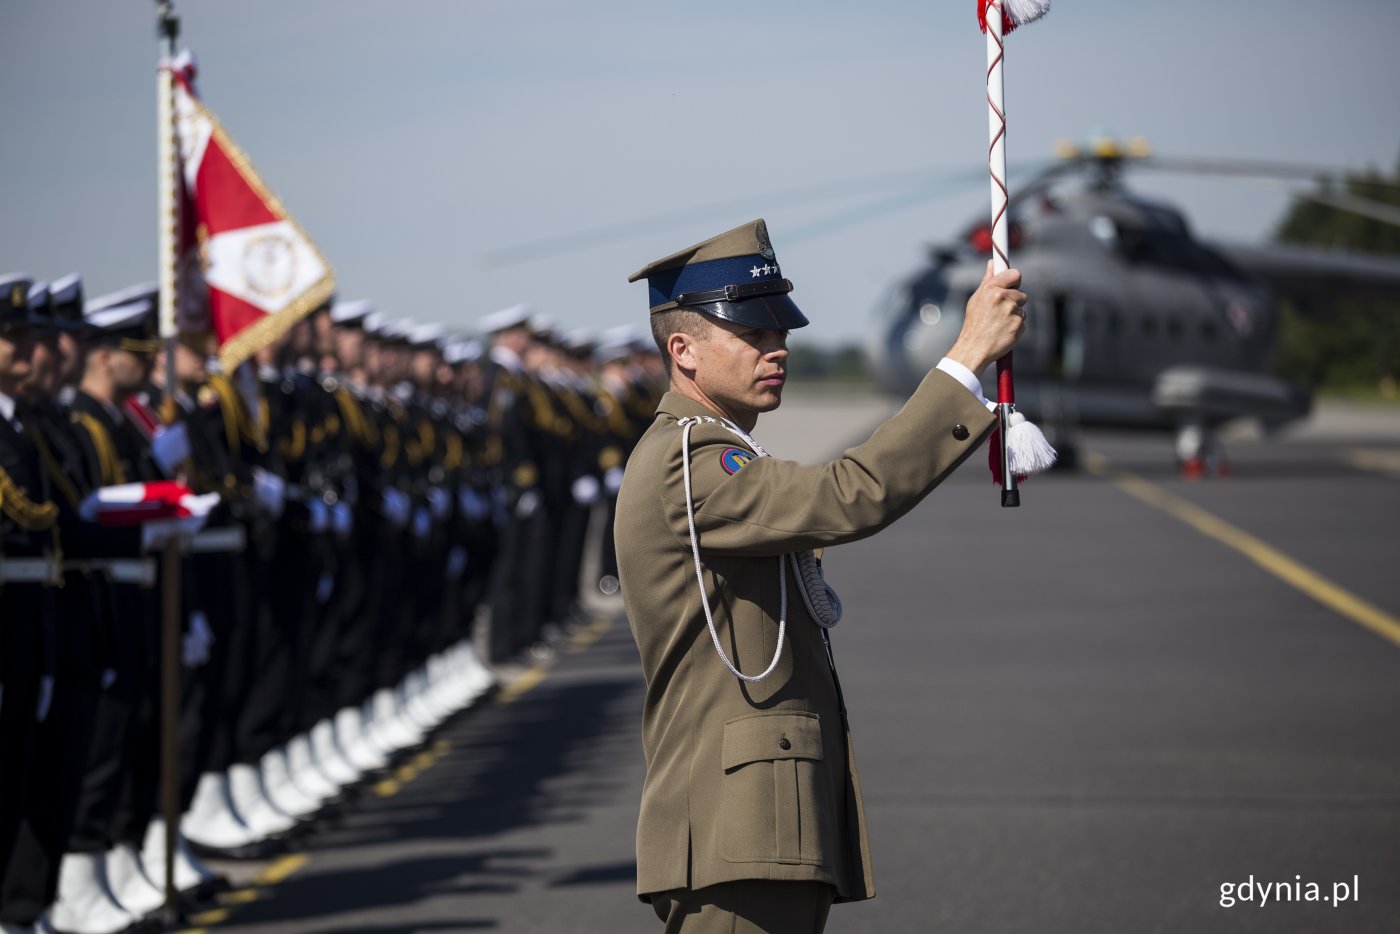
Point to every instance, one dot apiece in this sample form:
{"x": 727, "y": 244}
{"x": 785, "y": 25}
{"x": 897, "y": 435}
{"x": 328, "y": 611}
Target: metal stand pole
{"x": 168, "y": 223}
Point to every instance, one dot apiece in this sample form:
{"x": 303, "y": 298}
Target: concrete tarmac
{"x": 1086, "y": 715}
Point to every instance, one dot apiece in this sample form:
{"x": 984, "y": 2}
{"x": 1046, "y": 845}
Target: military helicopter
{"x": 1133, "y": 322}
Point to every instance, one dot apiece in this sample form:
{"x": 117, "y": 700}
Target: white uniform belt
{"x": 138, "y": 571}
{"x": 28, "y": 571}
{"x": 226, "y": 539}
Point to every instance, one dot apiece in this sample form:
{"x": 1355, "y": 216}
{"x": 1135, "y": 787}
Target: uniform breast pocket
{"x": 776, "y": 804}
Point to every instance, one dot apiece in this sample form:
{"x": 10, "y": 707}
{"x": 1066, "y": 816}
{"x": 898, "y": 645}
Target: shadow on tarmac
{"x": 529, "y": 763}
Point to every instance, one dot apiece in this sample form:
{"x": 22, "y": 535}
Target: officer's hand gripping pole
{"x": 1021, "y": 449}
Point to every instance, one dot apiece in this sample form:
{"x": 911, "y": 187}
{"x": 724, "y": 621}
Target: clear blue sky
{"x": 414, "y": 138}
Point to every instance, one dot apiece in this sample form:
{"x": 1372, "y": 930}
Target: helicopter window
{"x": 1164, "y": 240}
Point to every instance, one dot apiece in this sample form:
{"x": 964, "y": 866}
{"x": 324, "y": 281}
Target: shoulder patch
{"x": 733, "y": 459}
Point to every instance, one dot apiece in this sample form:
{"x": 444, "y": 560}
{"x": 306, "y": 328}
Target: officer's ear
{"x": 680, "y": 348}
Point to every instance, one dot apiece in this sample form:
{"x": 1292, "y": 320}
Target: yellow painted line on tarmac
{"x": 1286, "y": 569}
{"x": 589, "y": 634}
{"x": 278, "y": 871}
{"x": 528, "y": 679}
{"x": 240, "y": 896}
{"x": 211, "y": 917}
{"x": 388, "y": 787}
{"x": 281, "y": 868}
{"x": 1381, "y": 462}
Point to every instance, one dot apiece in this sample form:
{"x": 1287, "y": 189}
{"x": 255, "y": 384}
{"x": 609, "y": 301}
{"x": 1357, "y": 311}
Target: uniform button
{"x": 960, "y": 432}
{"x": 784, "y": 743}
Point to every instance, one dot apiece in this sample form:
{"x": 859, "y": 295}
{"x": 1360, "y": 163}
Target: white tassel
{"x": 1027, "y": 451}
{"x": 1021, "y": 12}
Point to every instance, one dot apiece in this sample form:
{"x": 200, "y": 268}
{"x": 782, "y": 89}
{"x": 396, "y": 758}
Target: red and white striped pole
{"x": 1020, "y": 448}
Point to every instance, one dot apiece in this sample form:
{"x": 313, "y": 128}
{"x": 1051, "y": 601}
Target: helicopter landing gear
{"x": 1199, "y": 453}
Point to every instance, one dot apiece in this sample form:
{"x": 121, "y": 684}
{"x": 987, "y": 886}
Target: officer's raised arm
{"x": 728, "y": 360}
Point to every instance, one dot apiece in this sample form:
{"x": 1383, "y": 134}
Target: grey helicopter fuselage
{"x": 1126, "y": 308}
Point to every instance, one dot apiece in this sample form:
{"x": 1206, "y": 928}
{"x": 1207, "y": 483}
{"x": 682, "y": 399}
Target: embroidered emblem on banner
{"x": 732, "y": 459}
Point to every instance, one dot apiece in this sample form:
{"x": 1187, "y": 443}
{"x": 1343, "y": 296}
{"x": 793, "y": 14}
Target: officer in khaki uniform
{"x": 751, "y": 815}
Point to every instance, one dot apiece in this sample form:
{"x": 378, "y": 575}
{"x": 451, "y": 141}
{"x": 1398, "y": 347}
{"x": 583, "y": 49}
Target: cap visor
{"x": 777, "y": 312}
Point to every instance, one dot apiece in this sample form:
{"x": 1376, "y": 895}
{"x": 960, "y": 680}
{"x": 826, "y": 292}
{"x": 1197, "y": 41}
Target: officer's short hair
{"x": 678, "y": 321}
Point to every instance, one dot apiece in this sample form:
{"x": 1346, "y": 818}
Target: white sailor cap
{"x": 611, "y": 351}
{"x": 642, "y": 341}
{"x": 578, "y": 341}
{"x": 351, "y": 313}
{"x": 374, "y": 323}
{"x": 14, "y": 301}
{"x": 544, "y": 327}
{"x": 130, "y": 326}
{"x": 513, "y": 317}
{"x": 39, "y": 296}
{"x": 66, "y": 290}
{"x": 396, "y": 330}
{"x": 66, "y": 302}
{"x": 146, "y": 291}
{"x": 462, "y": 352}
{"x": 422, "y": 336}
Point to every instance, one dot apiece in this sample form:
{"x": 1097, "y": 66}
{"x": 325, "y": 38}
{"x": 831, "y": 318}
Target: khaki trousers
{"x": 746, "y": 907}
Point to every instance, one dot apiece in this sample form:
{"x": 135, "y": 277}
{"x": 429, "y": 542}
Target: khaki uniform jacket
{"x": 758, "y": 781}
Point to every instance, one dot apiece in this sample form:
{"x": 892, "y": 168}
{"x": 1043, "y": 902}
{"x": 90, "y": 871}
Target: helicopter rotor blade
{"x": 905, "y": 181}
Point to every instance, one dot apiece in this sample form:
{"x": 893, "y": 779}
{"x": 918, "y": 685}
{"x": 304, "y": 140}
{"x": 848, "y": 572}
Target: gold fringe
{"x": 27, "y": 514}
{"x": 294, "y": 447}
{"x": 107, "y": 459}
{"x": 56, "y": 475}
{"x": 361, "y": 428}
{"x": 390, "y": 457}
{"x": 229, "y": 408}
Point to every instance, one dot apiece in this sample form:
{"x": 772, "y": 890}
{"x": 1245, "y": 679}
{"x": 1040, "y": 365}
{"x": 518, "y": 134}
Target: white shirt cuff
{"x": 968, "y": 378}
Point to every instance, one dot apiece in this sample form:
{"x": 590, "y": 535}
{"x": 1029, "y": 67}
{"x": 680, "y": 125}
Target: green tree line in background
{"x": 1352, "y": 345}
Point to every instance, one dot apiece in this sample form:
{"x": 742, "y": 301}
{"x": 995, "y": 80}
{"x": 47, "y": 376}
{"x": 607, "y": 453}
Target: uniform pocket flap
{"x": 763, "y": 737}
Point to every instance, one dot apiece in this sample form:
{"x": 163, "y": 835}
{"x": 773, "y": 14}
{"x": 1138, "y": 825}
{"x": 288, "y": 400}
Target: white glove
{"x": 171, "y": 447}
{"x": 612, "y": 479}
{"x": 396, "y": 507}
{"x": 342, "y": 519}
{"x": 158, "y": 533}
{"x": 270, "y": 491}
{"x": 456, "y": 562}
{"x": 422, "y": 523}
{"x": 320, "y": 518}
{"x": 194, "y": 646}
{"x": 439, "y": 501}
{"x": 585, "y": 490}
{"x": 526, "y": 505}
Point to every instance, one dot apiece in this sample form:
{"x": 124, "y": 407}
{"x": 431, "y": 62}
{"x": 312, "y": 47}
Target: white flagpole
{"x": 168, "y": 240}
{"x": 1022, "y": 447}
{"x": 996, "y": 170}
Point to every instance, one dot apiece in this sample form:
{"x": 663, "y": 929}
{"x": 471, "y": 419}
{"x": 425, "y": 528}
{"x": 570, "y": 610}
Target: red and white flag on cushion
{"x": 262, "y": 272}
{"x": 137, "y": 503}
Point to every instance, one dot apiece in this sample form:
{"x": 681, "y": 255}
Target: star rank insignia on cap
{"x": 733, "y": 460}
